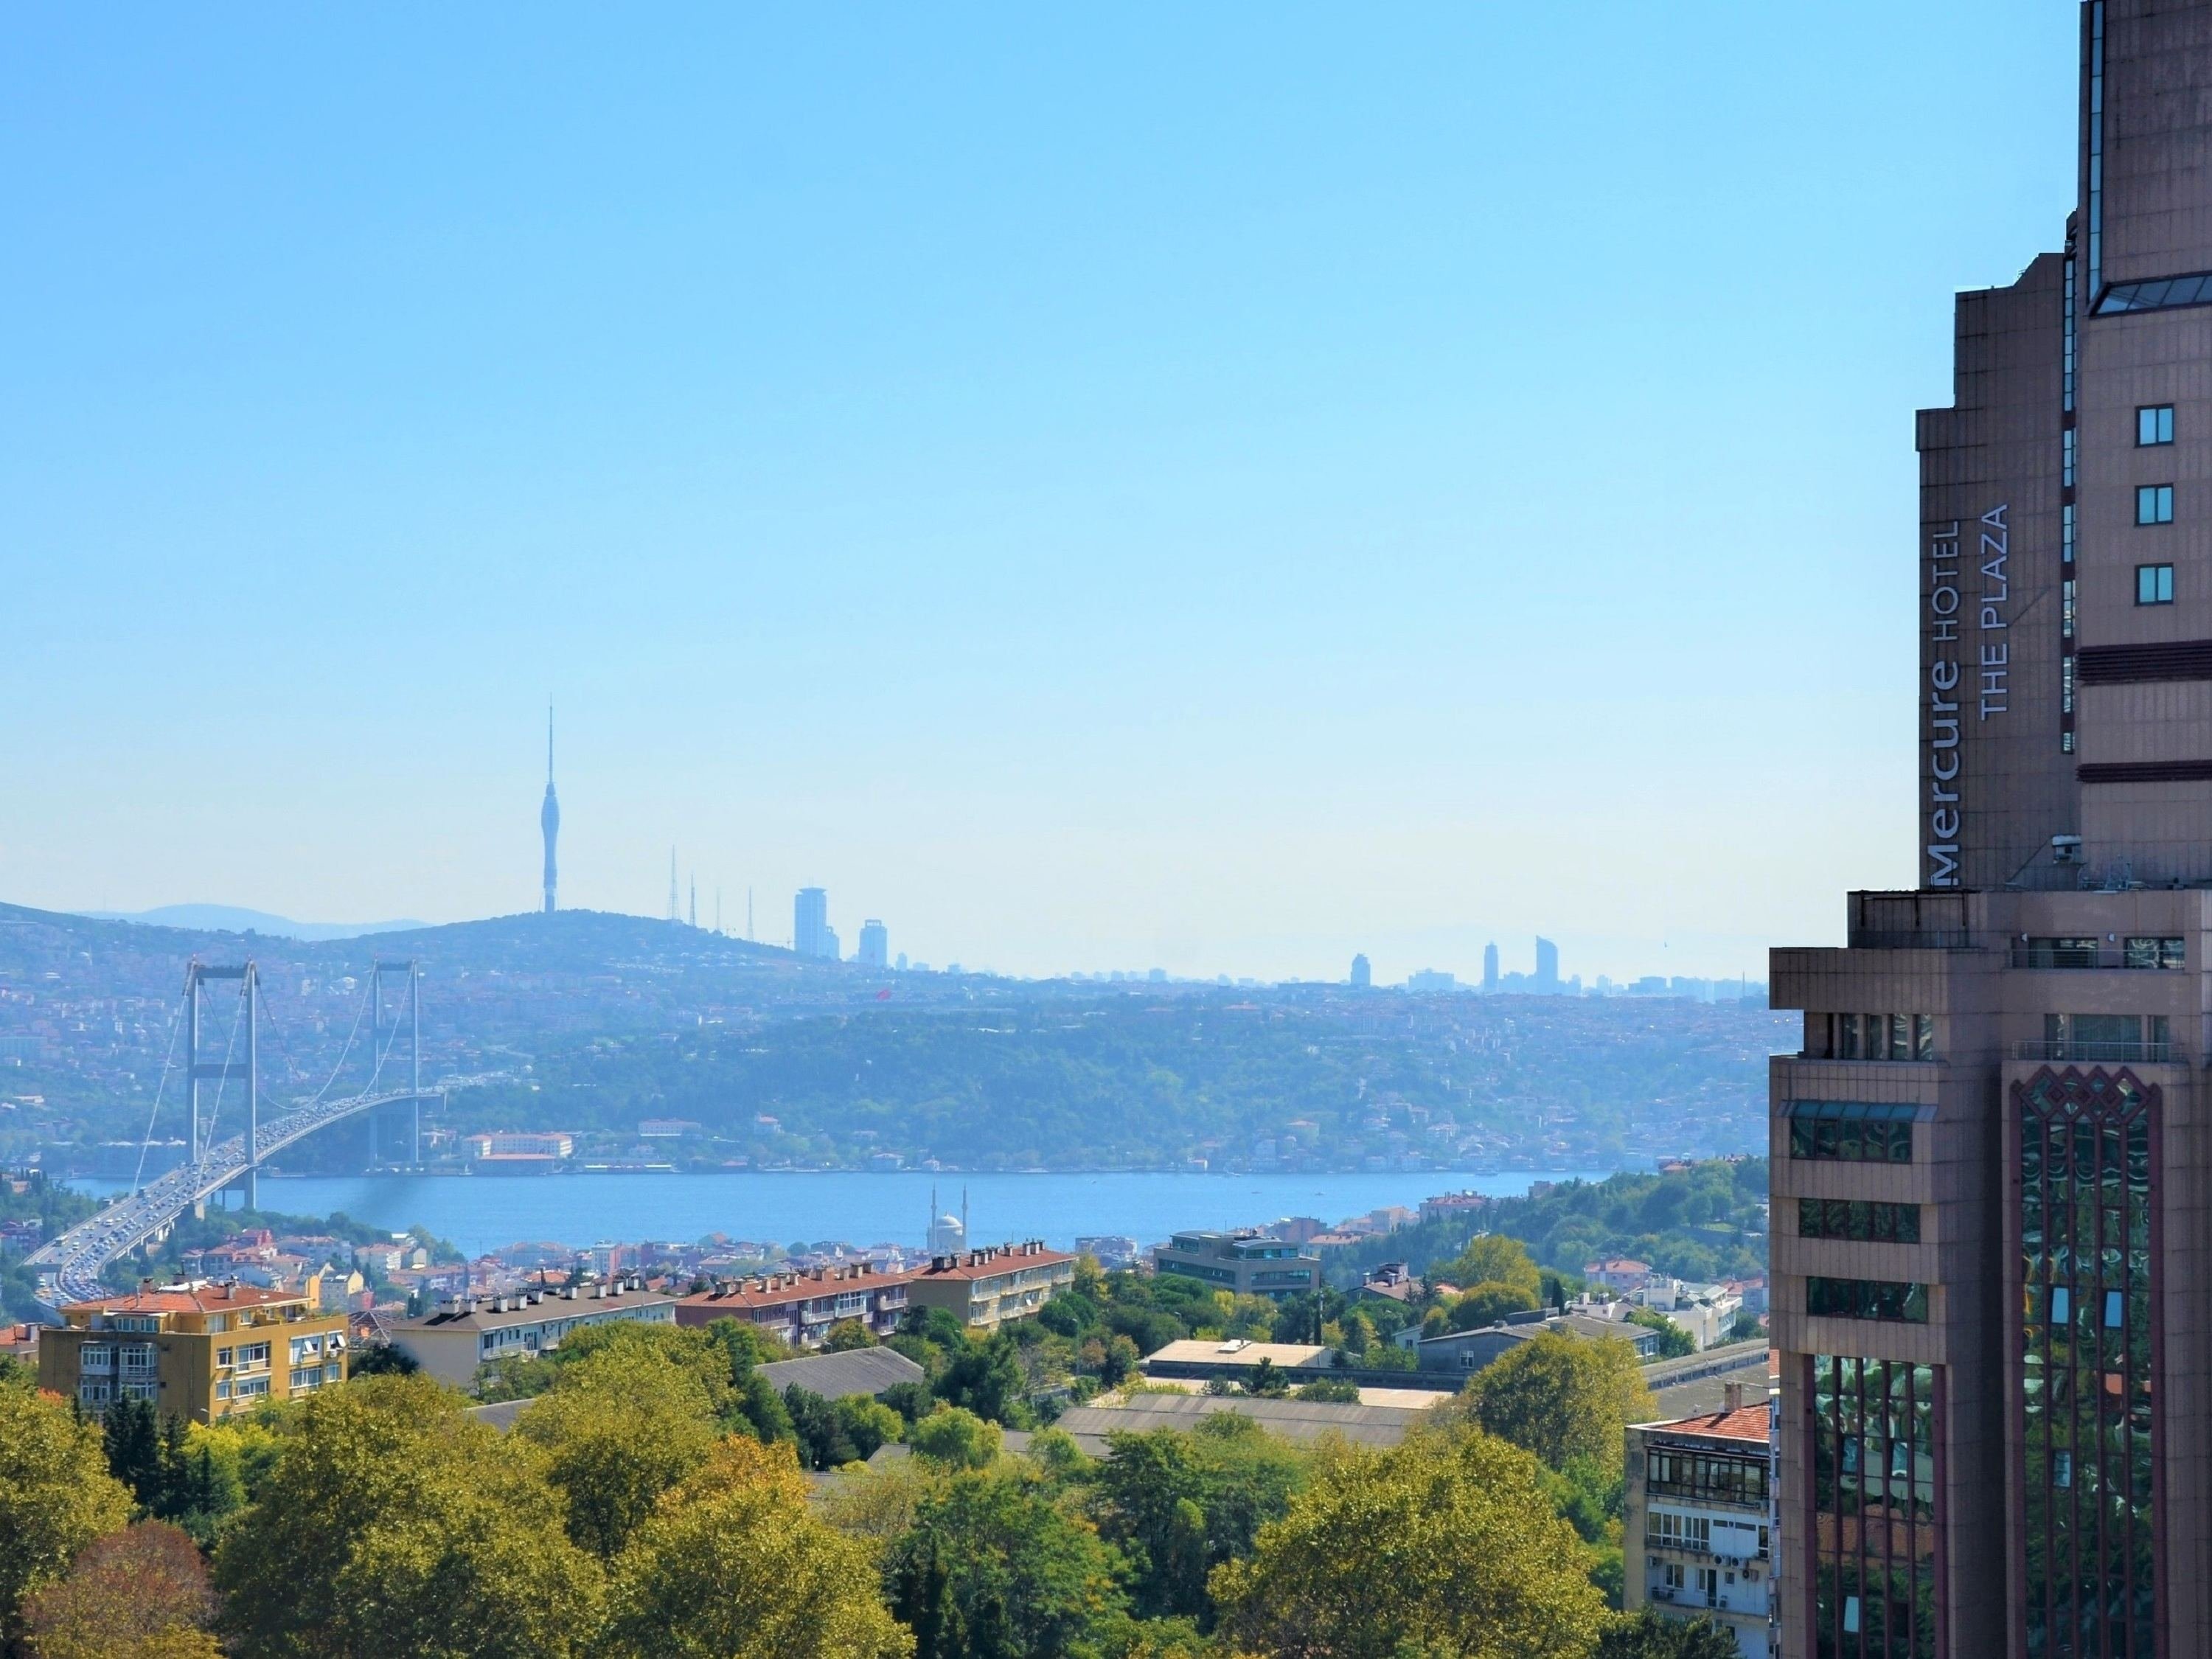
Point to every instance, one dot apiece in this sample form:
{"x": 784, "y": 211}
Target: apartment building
{"x": 195, "y": 1349}
{"x": 1246, "y": 1262}
{"x": 452, "y": 1342}
{"x": 987, "y": 1288}
{"x": 800, "y": 1307}
{"x": 1698, "y": 1533}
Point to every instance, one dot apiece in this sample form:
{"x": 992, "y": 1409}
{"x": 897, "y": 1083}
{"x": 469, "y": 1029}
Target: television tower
{"x": 675, "y": 911}
{"x": 549, "y": 815}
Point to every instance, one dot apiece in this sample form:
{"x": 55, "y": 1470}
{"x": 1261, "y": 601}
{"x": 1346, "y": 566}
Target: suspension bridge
{"x": 69, "y": 1264}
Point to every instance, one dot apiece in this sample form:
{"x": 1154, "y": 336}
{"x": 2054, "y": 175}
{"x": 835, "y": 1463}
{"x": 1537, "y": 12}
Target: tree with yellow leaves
{"x": 732, "y": 1565}
{"x": 1447, "y": 1546}
{"x": 56, "y": 1495}
{"x": 392, "y": 1526}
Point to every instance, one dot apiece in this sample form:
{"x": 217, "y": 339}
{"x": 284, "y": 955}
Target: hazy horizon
{"x": 1214, "y": 491}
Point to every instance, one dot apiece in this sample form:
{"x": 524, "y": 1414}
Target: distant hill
{"x": 232, "y": 918}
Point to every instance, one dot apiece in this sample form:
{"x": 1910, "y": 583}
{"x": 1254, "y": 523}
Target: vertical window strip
{"x": 1875, "y": 1509}
{"x": 2089, "y": 1284}
{"x": 2071, "y": 301}
{"x": 2096, "y": 147}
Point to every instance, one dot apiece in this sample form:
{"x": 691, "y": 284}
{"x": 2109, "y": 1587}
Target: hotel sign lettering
{"x": 1953, "y": 657}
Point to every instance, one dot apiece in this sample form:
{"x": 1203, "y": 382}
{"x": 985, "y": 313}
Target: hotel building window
{"x": 1881, "y": 1037}
{"x": 2154, "y": 425}
{"x": 2153, "y": 584}
{"x": 1875, "y": 1511}
{"x": 1867, "y": 1298}
{"x": 1850, "y": 1217}
{"x": 2090, "y": 1271}
{"x": 2154, "y": 504}
{"x": 1850, "y": 1131}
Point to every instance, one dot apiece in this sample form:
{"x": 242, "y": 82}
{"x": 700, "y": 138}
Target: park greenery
{"x": 659, "y": 1498}
{"x": 1703, "y": 1223}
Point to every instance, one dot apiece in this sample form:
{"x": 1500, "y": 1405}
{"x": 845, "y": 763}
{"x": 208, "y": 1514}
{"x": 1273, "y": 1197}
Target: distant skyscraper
{"x": 549, "y": 815}
{"x": 675, "y": 905}
{"x": 810, "y": 922}
{"x": 1362, "y": 974}
{"x": 694, "y": 901}
{"x": 1548, "y": 965}
{"x": 1490, "y": 969}
{"x": 875, "y": 944}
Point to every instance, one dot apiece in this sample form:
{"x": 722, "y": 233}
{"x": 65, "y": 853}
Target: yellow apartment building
{"x": 198, "y": 1351}
{"x": 987, "y": 1288}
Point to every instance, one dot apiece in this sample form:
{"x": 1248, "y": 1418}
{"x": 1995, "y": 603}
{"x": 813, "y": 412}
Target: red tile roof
{"x": 783, "y": 1290}
{"x": 205, "y": 1299}
{"x": 1744, "y": 1422}
{"x": 993, "y": 1262}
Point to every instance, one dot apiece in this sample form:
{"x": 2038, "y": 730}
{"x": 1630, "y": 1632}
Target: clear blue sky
{"x": 1212, "y": 487}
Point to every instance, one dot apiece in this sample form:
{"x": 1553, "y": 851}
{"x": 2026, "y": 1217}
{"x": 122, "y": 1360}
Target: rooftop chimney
{"x": 1732, "y": 1397}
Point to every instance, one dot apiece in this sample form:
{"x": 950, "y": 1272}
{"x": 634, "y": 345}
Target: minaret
{"x": 549, "y": 815}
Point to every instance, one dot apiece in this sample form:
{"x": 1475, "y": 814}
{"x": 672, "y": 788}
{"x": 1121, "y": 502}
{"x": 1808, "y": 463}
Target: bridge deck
{"x": 71, "y": 1263}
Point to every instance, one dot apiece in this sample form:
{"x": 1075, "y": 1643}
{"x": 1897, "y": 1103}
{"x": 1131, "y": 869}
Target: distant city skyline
{"x": 1179, "y": 540}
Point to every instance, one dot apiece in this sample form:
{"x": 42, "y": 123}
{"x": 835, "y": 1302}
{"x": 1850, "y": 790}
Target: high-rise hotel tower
{"x": 1992, "y": 1175}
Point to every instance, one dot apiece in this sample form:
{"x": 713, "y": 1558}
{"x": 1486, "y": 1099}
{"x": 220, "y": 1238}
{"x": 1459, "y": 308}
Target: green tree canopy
{"x": 1493, "y": 1258}
{"x": 1181, "y": 1503}
{"x": 1446, "y": 1545}
{"x": 1673, "y": 1341}
{"x": 955, "y": 1440}
{"x": 1560, "y": 1397}
{"x": 993, "y": 1569}
{"x": 1648, "y": 1634}
{"x": 619, "y": 1428}
{"x": 732, "y": 1565}
{"x": 393, "y": 1527}
{"x": 1487, "y": 1303}
{"x": 56, "y": 1495}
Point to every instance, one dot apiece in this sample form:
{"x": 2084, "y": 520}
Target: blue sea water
{"x": 485, "y": 1213}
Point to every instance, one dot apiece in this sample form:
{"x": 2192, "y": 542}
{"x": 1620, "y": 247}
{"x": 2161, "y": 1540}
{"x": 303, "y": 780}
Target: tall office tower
{"x": 875, "y": 945}
{"x": 1490, "y": 968}
{"x": 1990, "y": 1160}
{"x": 1548, "y": 965}
{"x": 810, "y": 921}
{"x": 1363, "y": 976}
{"x": 549, "y": 815}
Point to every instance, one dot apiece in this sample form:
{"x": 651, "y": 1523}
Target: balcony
{"x": 2105, "y": 1054}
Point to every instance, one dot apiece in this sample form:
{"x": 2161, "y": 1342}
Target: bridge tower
{"x": 199, "y": 1071}
{"x": 405, "y": 1014}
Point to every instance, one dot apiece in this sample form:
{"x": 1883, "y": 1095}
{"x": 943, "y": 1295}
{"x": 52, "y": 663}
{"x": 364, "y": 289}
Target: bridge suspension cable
{"x": 229, "y": 1047}
{"x": 160, "y": 1087}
